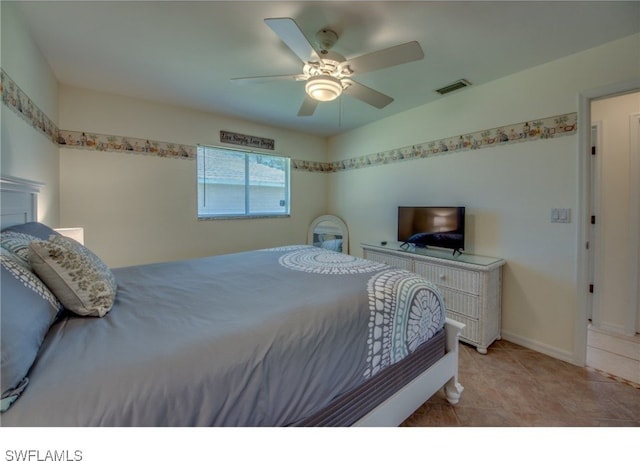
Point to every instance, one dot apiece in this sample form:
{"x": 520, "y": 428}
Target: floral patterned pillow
{"x": 78, "y": 278}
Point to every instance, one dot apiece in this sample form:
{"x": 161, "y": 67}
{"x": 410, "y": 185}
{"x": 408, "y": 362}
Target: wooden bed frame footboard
{"x": 443, "y": 373}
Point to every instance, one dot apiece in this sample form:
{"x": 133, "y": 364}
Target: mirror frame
{"x": 337, "y": 222}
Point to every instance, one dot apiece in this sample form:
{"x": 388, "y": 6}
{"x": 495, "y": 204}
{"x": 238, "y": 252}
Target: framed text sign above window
{"x": 246, "y": 140}
{"x": 241, "y": 184}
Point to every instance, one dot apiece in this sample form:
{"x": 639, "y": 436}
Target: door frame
{"x": 583, "y": 217}
{"x": 593, "y": 209}
{"x": 634, "y": 221}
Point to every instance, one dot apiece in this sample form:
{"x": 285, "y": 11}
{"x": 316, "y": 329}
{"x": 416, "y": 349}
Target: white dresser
{"x": 471, "y": 285}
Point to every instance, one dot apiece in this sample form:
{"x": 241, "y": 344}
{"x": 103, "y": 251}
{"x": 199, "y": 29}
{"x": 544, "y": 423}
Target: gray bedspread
{"x": 261, "y": 338}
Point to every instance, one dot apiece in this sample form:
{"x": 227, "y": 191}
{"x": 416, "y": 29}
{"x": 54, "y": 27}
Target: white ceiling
{"x": 185, "y": 53}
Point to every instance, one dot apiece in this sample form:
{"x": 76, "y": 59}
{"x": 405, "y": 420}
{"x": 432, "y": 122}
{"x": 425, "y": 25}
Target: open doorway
{"x": 613, "y": 234}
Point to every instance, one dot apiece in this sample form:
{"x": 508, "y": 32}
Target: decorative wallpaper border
{"x": 112, "y": 143}
{"x": 18, "y": 101}
{"x": 531, "y": 130}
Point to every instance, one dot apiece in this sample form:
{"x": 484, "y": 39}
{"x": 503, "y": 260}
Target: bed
{"x": 290, "y": 336}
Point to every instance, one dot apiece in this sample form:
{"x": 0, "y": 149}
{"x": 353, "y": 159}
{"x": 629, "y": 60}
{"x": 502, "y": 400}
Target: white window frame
{"x": 247, "y": 185}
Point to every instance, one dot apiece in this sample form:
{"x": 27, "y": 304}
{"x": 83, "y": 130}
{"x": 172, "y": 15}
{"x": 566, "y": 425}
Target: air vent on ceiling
{"x": 454, "y": 86}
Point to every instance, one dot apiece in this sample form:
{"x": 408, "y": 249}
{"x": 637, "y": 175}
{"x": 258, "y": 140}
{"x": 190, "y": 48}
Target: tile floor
{"x": 514, "y": 386}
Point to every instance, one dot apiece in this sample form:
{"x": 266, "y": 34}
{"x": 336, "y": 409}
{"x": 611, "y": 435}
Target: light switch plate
{"x": 560, "y": 215}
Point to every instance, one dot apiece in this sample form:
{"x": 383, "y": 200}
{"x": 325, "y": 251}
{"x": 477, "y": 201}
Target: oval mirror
{"x": 329, "y": 232}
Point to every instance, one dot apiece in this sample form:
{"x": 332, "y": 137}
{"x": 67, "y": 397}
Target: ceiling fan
{"x": 328, "y": 74}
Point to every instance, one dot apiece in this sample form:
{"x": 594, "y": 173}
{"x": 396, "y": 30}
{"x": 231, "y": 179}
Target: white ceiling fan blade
{"x": 292, "y": 36}
{"x": 368, "y": 95}
{"x": 266, "y": 78}
{"x": 308, "y": 107}
{"x": 399, "y": 54}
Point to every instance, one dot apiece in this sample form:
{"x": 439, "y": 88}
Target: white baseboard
{"x": 554, "y": 352}
{"x": 621, "y": 364}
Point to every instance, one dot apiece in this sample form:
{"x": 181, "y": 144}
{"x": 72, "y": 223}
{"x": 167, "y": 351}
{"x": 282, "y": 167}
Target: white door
{"x": 593, "y": 212}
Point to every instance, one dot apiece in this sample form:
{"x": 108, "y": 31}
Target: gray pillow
{"x": 16, "y": 239}
{"x": 79, "y": 279}
{"x": 17, "y": 246}
{"x": 35, "y": 229}
{"x": 27, "y": 310}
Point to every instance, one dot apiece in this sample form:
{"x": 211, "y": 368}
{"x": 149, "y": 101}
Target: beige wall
{"x": 139, "y": 209}
{"x": 26, "y": 153}
{"x": 613, "y": 285}
{"x": 509, "y": 191}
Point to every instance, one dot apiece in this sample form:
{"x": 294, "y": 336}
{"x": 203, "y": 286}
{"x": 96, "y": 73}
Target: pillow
{"x": 16, "y": 245}
{"x": 16, "y": 239}
{"x": 27, "y": 310}
{"x": 78, "y": 278}
{"x": 35, "y": 229}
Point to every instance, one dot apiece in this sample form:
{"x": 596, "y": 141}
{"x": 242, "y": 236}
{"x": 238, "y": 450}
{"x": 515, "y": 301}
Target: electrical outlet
{"x": 561, "y": 215}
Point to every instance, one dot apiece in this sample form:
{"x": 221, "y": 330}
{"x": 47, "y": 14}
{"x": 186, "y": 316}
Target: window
{"x": 233, "y": 183}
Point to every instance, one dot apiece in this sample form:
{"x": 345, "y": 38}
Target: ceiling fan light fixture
{"x": 323, "y": 88}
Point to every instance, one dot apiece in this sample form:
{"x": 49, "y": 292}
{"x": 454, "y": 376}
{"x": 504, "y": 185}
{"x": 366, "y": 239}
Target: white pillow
{"x": 79, "y": 279}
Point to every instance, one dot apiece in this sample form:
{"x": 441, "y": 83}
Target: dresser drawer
{"x": 463, "y": 280}
{"x": 395, "y": 261}
{"x": 471, "y": 332}
{"x": 460, "y": 303}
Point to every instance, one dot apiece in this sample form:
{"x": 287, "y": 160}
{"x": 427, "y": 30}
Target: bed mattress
{"x": 260, "y": 338}
{"x": 348, "y": 408}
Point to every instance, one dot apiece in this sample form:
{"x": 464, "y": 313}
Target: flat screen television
{"x": 432, "y": 226}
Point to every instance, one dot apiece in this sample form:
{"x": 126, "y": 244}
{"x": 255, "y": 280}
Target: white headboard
{"x": 18, "y": 201}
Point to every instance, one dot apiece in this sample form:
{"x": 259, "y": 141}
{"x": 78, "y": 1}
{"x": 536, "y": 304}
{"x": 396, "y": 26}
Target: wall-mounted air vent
{"x": 457, "y": 85}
